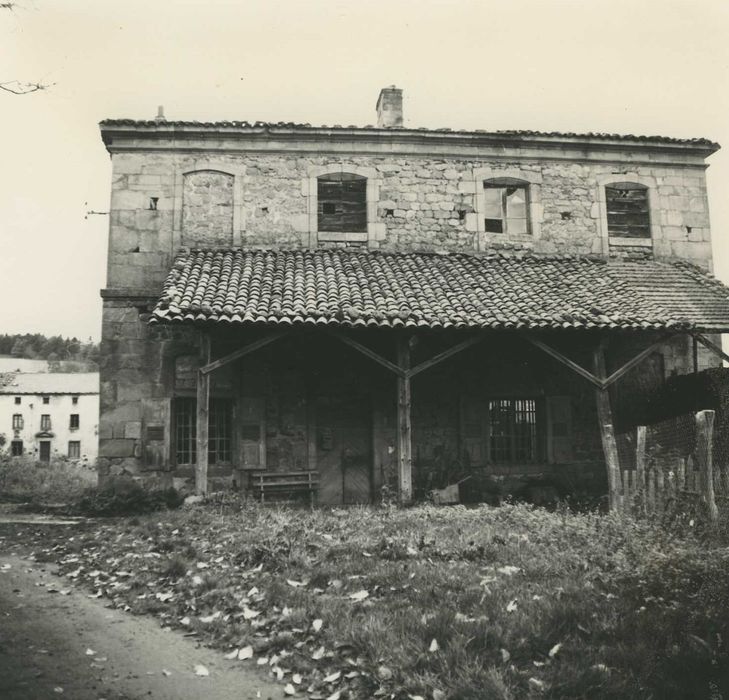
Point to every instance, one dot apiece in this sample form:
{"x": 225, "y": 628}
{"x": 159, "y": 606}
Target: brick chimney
{"x": 389, "y": 107}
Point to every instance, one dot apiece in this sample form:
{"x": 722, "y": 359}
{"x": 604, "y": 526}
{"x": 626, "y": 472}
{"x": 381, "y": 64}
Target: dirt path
{"x": 44, "y": 638}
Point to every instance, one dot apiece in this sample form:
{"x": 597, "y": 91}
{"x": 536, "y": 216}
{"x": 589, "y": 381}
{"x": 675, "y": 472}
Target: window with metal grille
{"x": 506, "y": 206}
{"x": 342, "y": 203}
{"x": 45, "y": 422}
{"x": 628, "y": 213}
{"x": 74, "y": 422}
{"x": 16, "y": 448}
{"x": 17, "y": 400}
{"x": 17, "y": 421}
{"x": 219, "y": 431}
{"x": 74, "y": 449}
{"x": 46, "y": 399}
{"x": 513, "y": 434}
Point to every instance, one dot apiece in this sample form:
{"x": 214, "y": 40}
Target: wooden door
{"x": 45, "y": 450}
{"x": 344, "y": 449}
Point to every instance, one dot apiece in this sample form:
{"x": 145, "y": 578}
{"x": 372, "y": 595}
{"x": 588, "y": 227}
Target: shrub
{"x": 58, "y": 481}
{"x": 126, "y": 497}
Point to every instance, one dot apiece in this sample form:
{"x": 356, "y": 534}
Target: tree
{"x": 17, "y": 87}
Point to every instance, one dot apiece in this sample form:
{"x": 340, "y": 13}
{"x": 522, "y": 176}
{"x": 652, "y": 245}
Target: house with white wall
{"x": 49, "y": 415}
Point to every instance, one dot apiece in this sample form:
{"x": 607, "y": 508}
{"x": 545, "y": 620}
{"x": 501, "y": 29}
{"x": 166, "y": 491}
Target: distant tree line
{"x": 36, "y": 346}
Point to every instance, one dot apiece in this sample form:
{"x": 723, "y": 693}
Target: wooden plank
{"x": 607, "y": 433}
{"x": 681, "y": 475}
{"x": 635, "y": 361}
{"x": 203, "y": 399}
{"x": 437, "y": 359}
{"x": 404, "y": 426}
{"x": 241, "y": 352}
{"x": 640, "y": 438}
{"x": 660, "y": 490}
{"x": 705, "y": 457}
{"x": 711, "y": 346}
{"x": 566, "y": 361}
{"x": 368, "y": 353}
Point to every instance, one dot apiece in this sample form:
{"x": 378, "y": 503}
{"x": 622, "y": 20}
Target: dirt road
{"x": 67, "y": 645}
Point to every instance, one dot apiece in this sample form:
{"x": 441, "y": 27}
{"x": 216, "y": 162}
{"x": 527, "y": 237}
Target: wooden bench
{"x": 267, "y": 485}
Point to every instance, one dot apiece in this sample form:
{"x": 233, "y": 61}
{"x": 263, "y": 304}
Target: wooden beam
{"x": 566, "y": 361}
{"x": 404, "y": 425}
{"x": 241, "y": 352}
{"x": 635, "y": 361}
{"x": 704, "y": 456}
{"x": 695, "y": 345}
{"x": 427, "y": 364}
{"x": 368, "y": 353}
{"x": 203, "y": 398}
{"x": 711, "y": 346}
{"x": 607, "y": 432}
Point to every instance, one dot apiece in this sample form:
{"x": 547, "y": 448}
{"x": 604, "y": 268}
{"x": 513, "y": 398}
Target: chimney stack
{"x": 389, "y": 108}
{"x": 160, "y": 114}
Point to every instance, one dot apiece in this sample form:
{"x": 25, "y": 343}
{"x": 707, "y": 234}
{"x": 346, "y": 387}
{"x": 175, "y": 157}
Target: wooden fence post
{"x": 640, "y": 437}
{"x": 705, "y": 456}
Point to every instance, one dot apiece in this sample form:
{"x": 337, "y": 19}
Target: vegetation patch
{"x": 432, "y": 603}
{"x": 41, "y": 483}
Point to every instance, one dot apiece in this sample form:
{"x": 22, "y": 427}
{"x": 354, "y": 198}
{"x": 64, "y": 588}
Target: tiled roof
{"x": 165, "y": 125}
{"x": 339, "y": 287}
{"x": 49, "y": 383}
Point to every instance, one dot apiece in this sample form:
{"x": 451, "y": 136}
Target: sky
{"x": 657, "y": 67}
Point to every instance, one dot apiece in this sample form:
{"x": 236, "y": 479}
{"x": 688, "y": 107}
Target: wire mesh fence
{"x": 673, "y": 462}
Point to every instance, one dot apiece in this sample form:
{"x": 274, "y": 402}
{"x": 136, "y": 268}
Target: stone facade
{"x": 256, "y": 186}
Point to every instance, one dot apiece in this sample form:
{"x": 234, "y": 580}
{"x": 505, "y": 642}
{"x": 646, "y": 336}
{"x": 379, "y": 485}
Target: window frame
{"x": 18, "y": 421}
{"x": 46, "y": 400}
{"x": 45, "y": 422}
{"x": 341, "y": 181}
{"x": 503, "y": 184}
{"x": 77, "y": 448}
{"x": 14, "y": 448}
{"x": 220, "y": 446}
{"x": 18, "y": 401}
{"x": 74, "y": 424}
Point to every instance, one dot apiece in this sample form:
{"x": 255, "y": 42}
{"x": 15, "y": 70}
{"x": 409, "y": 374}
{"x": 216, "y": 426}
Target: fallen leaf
{"x": 295, "y": 584}
{"x": 511, "y": 606}
{"x": 200, "y": 670}
{"x": 90, "y": 652}
{"x": 296, "y": 678}
{"x": 438, "y": 694}
{"x": 165, "y": 672}
{"x": 434, "y": 646}
{"x": 416, "y": 697}
{"x": 335, "y": 695}
{"x": 384, "y": 673}
{"x": 289, "y": 689}
{"x": 318, "y": 654}
{"x": 359, "y": 595}
{"x": 554, "y": 650}
{"x": 262, "y": 661}
{"x": 333, "y": 677}
{"x": 232, "y": 655}
{"x": 245, "y": 653}
{"x": 185, "y": 621}
{"x": 316, "y": 625}
{"x": 508, "y": 570}
{"x": 505, "y": 656}
{"x": 536, "y": 684}
{"x": 249, "y": 614}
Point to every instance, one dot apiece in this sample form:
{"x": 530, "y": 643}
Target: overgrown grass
{"x": 428, "y": 602}
{"x": 58, "y": 481}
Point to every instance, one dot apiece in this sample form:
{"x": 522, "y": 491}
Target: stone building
{"x": 49, "y": 415}
{"x": 387, "y": 305}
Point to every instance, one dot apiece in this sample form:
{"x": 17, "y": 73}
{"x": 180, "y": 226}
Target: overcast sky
{"x": 620, "y": 66}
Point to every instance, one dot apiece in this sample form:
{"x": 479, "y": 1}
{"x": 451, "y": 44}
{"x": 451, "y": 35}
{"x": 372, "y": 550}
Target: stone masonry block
{"x": 116, "y": 447}
{"x": 133, "y": 430}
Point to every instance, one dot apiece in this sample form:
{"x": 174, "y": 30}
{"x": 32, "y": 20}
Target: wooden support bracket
{"x": 368, "y": 353}
{"x": 710, "y": 346}
{"x": 241, "y": 352}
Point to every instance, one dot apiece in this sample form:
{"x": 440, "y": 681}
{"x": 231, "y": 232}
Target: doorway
{"x": 44, "y": 450}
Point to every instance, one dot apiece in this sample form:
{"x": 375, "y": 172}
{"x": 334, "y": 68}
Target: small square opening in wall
{"x": 74, "y": 400}
{"x": 153, "y": 203}
{"x": 17, "y": 400}
{"x": 46, "y": 399}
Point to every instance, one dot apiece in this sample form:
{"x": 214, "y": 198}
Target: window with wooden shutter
{"x": 251, "y": 421}
{"x": 506, "y": 206}
{"x": 559, "y": 429}
{"x": 342, "y": 203}
{"x": 628, "y": 213}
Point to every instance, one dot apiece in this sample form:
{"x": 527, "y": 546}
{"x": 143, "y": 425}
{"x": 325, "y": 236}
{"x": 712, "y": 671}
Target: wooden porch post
{"x": 705, "y": 457}
{"x": 404, "y": 427}
{"x": 203, "y": 397}
{"x": 607, "y": 432}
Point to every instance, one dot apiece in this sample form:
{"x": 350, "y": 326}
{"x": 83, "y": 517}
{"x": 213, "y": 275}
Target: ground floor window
{"x": 16, "y": 448}
{"x": 74, "y": 449}
{"x": 219, "y": 431}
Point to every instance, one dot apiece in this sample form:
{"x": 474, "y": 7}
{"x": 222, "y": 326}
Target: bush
{"x": 126, "y": 497}
{"x": 58, "y": 481}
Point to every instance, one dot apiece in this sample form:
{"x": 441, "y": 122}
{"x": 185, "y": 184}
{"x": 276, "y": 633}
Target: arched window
{"x": 506, "y": 206}
{"x": 342, "y": 203}
{"x": 628, "y": 210}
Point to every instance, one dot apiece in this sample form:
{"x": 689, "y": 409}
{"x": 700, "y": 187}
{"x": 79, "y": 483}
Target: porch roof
{"x": 427, "y": 290}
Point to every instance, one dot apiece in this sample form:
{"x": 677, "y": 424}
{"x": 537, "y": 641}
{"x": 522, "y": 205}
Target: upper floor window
{"x": 74, "y": 400}
{"x": 342, "y": 203}
{"x": 18, "y": 400}
{"x": 628, "y": 213}
{"x": 17, "y": 421}
{"x": 45, "y": 422}
{"x": 46, "y": 399}
{"x": 74, "y": 422}
{"x": 506, "y": 206}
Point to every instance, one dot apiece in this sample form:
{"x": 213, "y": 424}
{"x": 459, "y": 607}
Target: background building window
{"x": 16, "y": 448}
{"x": 342, "y": 203}
{"x": 17, "y": 421}
{"x": 628, "y": 214}
{"x": 219, "y": 431}
{"x": 74, "y": 449}
{"x": 506, "y": 206}
{"x": 45, "y": 422}
{"x": 74, "y": 400}
{"x": 46, "y": 399}
{"x": 44, "y": 450}
{"x": 17, "y": 400}
{"x": 74, "y": 422}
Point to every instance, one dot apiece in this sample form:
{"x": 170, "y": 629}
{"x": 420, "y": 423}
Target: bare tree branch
{"x": 18, "y": 88}
{"x": 7, "y": 5}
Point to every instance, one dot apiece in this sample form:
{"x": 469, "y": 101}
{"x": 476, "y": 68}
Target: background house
{"x": 45, "y": 415}
{"x": 432, "y": 303}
